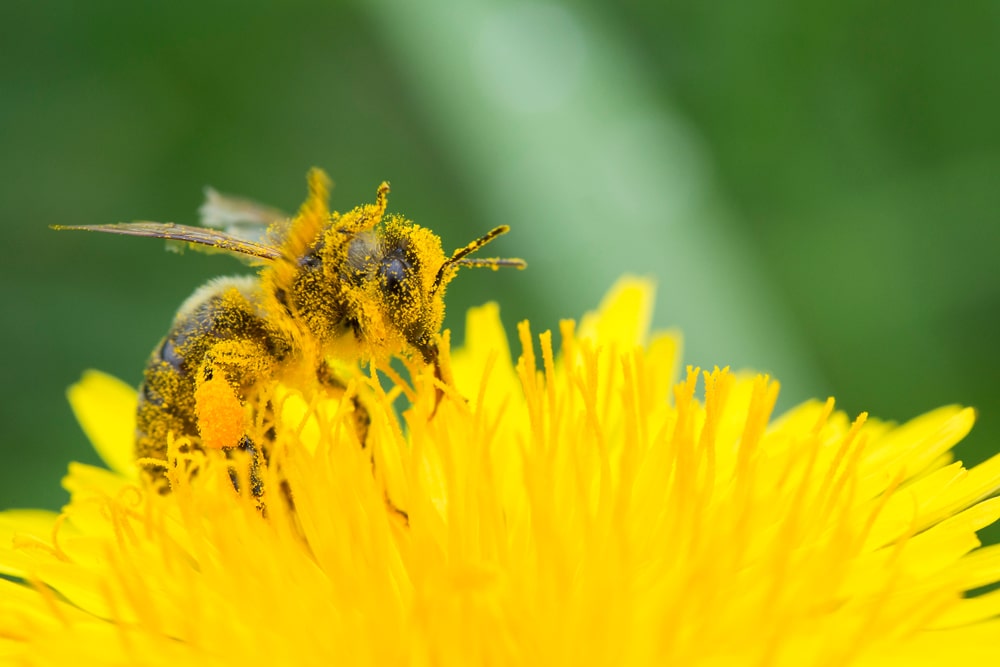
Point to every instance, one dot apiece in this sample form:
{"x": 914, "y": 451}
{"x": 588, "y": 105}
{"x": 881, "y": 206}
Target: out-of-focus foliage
{"x": 814, "y": 185}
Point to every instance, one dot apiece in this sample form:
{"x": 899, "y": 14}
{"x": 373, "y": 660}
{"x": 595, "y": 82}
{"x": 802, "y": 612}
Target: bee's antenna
{"x": 458, "y": 257}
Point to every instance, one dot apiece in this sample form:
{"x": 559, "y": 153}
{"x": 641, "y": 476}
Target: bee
{"x": 332, "y": 288}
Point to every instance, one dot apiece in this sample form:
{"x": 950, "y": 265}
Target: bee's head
{"x": 402, "y": 269}
{"x": 403, "y": 272}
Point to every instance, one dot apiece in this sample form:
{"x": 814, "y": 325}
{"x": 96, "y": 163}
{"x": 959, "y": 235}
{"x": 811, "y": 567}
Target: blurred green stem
{"x": 554, "y": 124}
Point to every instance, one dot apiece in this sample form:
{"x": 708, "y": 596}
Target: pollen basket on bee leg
{"x": 221, "y": 420}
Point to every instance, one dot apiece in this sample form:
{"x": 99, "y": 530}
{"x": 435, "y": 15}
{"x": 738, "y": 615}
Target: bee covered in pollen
{"x": 358, "y": 286}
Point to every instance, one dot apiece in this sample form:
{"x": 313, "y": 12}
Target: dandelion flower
{"x": 584, "y": 507}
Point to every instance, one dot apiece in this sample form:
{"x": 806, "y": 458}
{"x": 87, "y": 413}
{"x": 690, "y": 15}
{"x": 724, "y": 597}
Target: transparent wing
{"x": 243, "y": 218}
{"x": 200, "y": 237}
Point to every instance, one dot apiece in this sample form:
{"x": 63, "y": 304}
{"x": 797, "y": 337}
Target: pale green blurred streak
{"x": 548, "y": 112}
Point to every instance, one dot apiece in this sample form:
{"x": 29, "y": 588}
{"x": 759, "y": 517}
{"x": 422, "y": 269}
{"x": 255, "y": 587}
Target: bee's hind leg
{"x": 254, "y": 469}
{"x": 223, "y": 425}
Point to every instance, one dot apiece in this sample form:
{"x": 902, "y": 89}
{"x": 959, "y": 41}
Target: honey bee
{"x": 332, "y": 288}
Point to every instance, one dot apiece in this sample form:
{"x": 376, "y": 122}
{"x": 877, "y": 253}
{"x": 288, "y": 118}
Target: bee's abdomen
{"x": 218, "y": 328}
{"x": 166, "y": 395}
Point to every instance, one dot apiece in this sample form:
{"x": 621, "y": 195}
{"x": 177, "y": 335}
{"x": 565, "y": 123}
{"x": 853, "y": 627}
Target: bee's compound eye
{"x": 310, "y": 260}
{"x": 393, "y": 272}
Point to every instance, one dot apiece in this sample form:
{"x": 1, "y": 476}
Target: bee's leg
{"x": 259, "y": 460}
{"x": 256, "y": 483}
{"x": 362, "y": 421}
{"x": 431, "y": 356}
{"x": 261, "y": 457}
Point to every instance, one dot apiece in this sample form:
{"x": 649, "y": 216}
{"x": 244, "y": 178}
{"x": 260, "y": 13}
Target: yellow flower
{"x": 579, "y": 508}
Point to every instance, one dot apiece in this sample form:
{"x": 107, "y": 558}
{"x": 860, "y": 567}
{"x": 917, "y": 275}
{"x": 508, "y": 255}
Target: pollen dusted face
{"x": 395, "y": 272}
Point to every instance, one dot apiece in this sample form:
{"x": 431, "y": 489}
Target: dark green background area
{"x": 845, "y": 158}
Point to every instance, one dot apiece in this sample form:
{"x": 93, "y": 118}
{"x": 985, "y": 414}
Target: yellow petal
{"x": 105, "y": 408}
{"x": 623, "y": 318}
{"x": 485, "y": 349}
{"x": 569, "y": 507}
{"x": 17, "y": 526}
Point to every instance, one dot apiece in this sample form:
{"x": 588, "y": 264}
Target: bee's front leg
{"x": 362, "y": 421}
{"x": 330, "y": 382}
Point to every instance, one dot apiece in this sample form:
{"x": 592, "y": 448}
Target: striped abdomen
{"x": 218, "y": 330}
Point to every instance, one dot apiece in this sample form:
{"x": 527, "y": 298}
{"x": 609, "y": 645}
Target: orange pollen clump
{"x": 220, "y": 414}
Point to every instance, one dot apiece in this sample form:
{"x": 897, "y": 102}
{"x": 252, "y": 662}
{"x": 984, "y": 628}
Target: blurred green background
{"x": 814, "y": 185}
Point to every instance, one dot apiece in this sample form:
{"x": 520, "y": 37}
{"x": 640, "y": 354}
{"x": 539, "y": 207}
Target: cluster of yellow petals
{"x": 585, "y": 507}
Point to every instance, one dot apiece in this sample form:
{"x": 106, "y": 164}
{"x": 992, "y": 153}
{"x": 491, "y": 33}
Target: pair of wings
{"x": 252, "y": 231}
